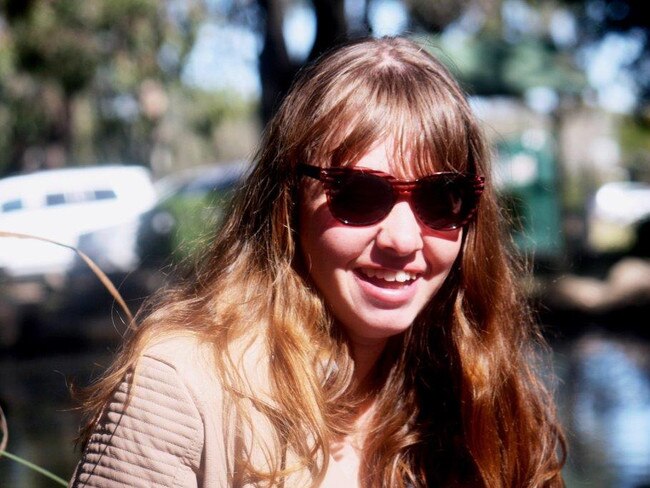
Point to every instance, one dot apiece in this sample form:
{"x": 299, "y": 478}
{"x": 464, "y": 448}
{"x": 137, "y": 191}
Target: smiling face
{"x": 376, "y": 278}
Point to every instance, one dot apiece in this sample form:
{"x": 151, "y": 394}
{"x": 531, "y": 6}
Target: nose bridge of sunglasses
{"x": 403, "y": 189}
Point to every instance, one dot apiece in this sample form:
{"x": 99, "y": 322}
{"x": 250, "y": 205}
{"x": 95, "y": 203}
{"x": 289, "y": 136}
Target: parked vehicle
{"x": 618, "y": 218}
{"x": 187, "y": 214}
{"x": 189, "y": 205}
{"x": 59, "y": 205}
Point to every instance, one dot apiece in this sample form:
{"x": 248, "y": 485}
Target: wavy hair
{"x": 460, "y": 398}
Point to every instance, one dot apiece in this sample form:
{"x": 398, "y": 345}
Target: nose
{"x": 400, "y": 231}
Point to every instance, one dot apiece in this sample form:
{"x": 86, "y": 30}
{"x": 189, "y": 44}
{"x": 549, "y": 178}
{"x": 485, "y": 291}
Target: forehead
{"x": 387, "y": 156}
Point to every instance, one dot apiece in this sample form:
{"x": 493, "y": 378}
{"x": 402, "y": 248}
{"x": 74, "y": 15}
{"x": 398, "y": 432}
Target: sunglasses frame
{"x": 401, "y": 189}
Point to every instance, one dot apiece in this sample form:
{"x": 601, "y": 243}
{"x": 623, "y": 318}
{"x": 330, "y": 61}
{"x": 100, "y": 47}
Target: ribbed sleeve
{"x": 153, "y": 440}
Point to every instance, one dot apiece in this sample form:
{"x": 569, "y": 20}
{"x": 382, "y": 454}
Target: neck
{"x": 365, "y": 355}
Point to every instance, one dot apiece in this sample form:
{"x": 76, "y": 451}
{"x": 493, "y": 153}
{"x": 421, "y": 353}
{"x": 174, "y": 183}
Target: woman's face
{"x": 360, "y": 271}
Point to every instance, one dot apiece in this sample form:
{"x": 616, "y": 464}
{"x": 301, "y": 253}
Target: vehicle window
{"x": 53, "y": 199}
{"x": 12, "y": 205}
{"x": 104, "y": 195}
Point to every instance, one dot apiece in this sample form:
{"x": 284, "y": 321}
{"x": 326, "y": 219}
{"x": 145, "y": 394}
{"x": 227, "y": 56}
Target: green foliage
{"x": 53, "y": 42}
{"x": 206, "y": 110}
{"x": 534, "y": 63}
{"x": 487, "y": 64}
{"x": 196, "y": 218}
{"x": 191, "y": 217}
{"x": 57, "y": 56}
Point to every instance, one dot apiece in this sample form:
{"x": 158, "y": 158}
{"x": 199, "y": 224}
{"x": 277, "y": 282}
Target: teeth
{"x": 386, "y": 275}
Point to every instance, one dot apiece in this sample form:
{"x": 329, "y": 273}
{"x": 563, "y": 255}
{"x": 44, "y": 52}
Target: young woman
{"x": 357, "y": 321}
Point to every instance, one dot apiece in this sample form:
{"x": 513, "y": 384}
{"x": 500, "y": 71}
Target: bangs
{"x": 429, "y": 125}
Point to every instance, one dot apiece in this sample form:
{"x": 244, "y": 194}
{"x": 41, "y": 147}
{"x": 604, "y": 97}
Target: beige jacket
{"x": 171, "y": 433}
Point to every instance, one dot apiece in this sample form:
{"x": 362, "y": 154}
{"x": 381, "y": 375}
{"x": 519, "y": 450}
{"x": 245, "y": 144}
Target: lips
{"x": 386, "y": 288}
{"x": 387, "y": 285}
{"x": 387, "y": 275}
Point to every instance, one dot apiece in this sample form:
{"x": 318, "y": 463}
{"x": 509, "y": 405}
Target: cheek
{"x": 323, "y": 241}
{"x": 314, "y": 220}
{"x": 330, "y": 250}
{"x": 441, "y": 252}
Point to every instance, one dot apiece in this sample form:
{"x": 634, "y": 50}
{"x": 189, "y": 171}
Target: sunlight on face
{"x": 375, "y": 278}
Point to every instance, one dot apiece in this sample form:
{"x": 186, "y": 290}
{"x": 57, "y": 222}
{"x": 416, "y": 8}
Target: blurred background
{"x": 127, "y": 123}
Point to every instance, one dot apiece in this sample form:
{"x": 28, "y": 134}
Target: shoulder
{"x": 186, "y": 354}
{"x": 184, "y": 362}
{"x": 151, "y": 428}
{"x": 161, "y": 422}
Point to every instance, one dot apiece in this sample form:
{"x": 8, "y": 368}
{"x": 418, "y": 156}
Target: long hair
{"x": 459, "y": 396}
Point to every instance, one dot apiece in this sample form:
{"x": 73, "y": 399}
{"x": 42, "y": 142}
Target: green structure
{"x": 527, "y": 180}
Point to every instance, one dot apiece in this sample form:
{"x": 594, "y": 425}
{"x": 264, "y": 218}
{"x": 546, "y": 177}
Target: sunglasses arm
{"x": 312, "y": 171}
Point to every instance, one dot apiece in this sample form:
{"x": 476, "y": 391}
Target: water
{"x": 605, "y": 406}
{"x": 604, "y": 400}
{"x": 42, "y": 423}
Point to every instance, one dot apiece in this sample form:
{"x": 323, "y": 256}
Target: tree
{"x": 53, "y": 54}
{"x": 598, "y": 19}
{"x": 277, "y": 69}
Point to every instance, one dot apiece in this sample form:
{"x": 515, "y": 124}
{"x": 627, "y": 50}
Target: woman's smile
{"x": 387, "y": 276}
{"x": 387, "y": 288}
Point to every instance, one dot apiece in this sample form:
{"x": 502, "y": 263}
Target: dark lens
{"x": 358, "y": 198}
{"x": 444, "y": 202}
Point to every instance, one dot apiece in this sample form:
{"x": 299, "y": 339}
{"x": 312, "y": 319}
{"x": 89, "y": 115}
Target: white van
{"x": 61, "y": 205}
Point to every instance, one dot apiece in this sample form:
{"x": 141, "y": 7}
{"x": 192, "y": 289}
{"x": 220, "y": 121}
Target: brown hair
{"x": 459, "y": 397}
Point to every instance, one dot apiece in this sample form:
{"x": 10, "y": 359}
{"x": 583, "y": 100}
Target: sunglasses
{"x": 360, "y": 196}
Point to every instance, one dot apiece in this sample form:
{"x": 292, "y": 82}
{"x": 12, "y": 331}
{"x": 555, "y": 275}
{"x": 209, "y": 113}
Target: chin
{"x": 378, "y": 329}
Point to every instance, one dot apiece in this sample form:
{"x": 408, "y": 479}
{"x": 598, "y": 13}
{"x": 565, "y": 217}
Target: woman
{"x": 357, "y": 321}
